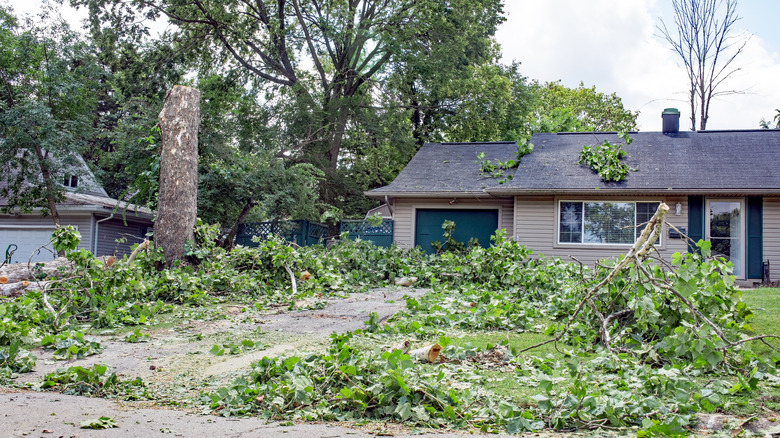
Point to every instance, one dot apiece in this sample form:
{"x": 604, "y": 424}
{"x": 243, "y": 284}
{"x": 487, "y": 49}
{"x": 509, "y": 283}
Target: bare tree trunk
{"x": 231, "y": 237}
{"x": 50, "y": 189}
{"x": 51, "y": 193}
{"x": 177, "y": 206}
{"x": 693, "y": 108}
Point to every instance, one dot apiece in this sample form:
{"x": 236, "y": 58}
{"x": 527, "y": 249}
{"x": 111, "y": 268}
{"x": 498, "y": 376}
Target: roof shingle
{"x": 684, "y": 162}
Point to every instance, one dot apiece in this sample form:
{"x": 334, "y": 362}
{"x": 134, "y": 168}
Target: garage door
{"x": 480, "y": 224}
{"x": 28, "y": 240}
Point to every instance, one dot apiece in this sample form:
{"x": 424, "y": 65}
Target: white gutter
{"x": 97, "y": 229}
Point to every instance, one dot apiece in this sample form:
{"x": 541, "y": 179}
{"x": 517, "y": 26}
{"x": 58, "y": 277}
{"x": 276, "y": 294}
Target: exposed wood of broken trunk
{"x": 177, "y": 206}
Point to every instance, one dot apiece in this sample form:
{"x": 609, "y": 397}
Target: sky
{"x": 614, "y": 45}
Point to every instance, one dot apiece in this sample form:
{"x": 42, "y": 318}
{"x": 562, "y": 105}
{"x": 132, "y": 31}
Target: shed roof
{"x": 686, "y": 162}
{"x": 104, "y": 204}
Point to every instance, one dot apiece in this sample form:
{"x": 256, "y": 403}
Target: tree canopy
{"x": 557, "y": 108}
{"x": 48, "y": 78}
{"x": 305, "y": 103}
{"x": 325, "y": 66}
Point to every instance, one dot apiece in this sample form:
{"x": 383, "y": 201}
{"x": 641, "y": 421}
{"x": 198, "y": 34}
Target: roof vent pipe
{"x": 671, "y": 121}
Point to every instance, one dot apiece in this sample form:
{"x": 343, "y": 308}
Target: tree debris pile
{"x": 637, "y": 342}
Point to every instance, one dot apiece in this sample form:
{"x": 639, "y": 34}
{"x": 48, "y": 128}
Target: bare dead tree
{"x": 703, "y": 38}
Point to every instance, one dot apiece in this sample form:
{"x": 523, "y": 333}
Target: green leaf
{"x": 545, "y": 383}
{"x": 404, "y": 410}
{"x": 99, "y": 423}
{"x": 686, "y": 288}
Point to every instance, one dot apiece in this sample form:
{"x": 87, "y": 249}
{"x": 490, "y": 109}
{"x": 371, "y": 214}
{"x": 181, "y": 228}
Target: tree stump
{"x": 177, "y": 204}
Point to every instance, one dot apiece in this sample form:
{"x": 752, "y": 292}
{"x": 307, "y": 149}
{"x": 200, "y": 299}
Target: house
{"x": 106, "y": 227}
{"x": 723, "y": 186}
{"x": 382, "y": 210}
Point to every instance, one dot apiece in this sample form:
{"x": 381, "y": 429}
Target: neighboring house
{"x": 383, "y": 210}
{"x": 722, "y": 186}
{"x": 105, "y": 227}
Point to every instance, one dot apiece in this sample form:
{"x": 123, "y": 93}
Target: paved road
{"x": 54, "y": 415}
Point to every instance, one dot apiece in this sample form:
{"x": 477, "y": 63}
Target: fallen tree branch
{"x": 292, "y": 279}
{"x": 639, "y": 251}
{"x": 142, "y": 246}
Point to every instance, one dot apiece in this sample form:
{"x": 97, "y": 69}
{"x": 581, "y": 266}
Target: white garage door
{"x": 27, "y": 240}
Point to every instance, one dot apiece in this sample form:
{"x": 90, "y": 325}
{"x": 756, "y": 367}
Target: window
{"x": 726, "y": 231}
{"x": 598, "y": 222}
{"x": 71, "y": 181}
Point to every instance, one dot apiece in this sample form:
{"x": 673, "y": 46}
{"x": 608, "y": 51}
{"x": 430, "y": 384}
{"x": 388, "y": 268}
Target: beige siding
{"x": 535, "y": 227}
{"x": 83, "y": 223}
{"x": 404, "y": 213}
{"x": 115, "y": 238}
{"x": 772, "y": 236}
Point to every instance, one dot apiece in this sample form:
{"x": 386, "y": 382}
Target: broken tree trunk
{"x": 403, "y": 346}
{"x": 429, "y": 353}
{"x": 177, "y": 206}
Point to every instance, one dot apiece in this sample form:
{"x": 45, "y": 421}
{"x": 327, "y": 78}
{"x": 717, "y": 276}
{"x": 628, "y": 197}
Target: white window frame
{"x": 71, "y": 181}
{"x": 661, "y": 240}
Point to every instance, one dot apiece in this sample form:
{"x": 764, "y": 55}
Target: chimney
{"x": 671, "y": 121}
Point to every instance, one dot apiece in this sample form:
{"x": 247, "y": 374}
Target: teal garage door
{"x": 480, "y": 224}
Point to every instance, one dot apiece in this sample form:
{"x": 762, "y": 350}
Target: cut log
{"x": 21, "y": 271}
{"x": 57, "y": 268}
{"x": 405, "y": 281}
{"x": 13, "y": 289}
{"x": 429, "y": 353}
{"x": 403, "y": 346}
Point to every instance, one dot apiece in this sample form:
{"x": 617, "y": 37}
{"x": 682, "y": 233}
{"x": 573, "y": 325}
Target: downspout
{"x": 389, "y": 206}
{"x": 97, "y": 234}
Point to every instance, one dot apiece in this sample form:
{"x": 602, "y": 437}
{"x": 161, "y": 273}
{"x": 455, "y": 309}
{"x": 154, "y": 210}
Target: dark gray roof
{"x": 87, "y": 182}
{"x": 448, "y": 167}
{"x": 90, "y": 196}
{"x": 690, "y": 162}
{"x": 104, "y": 204}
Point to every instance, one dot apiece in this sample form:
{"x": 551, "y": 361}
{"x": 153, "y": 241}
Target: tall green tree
{"x": 48, "y": 78}
{"x": 316, "y": 60}
{"x": 493, "y": 106}
{"x": 240, "y": 174}
{"x": 556, "y": 108}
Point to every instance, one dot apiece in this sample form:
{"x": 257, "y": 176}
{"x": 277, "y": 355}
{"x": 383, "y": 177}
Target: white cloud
{"x": 33, "y": 7}
{"x": 613, "y": 45}
{"x": 76, "y": 17}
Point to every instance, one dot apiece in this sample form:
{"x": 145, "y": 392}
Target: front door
{"x": 726, "y": 231}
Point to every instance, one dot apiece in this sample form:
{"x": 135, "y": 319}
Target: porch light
{"x": 678, "y": 209}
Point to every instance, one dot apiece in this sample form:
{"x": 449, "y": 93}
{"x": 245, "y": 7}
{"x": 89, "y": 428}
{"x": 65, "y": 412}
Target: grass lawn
{"x": 765, "y": 304}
